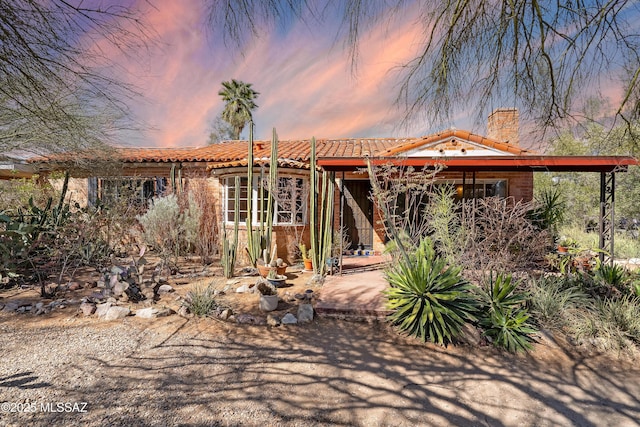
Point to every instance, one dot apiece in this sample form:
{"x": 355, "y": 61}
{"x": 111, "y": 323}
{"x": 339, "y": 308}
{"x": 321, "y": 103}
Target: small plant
{"x": 265, "y": 288}
{"x": 273, "y": 274}
{"x": 554, "y": 299}
{"x": 509, "y": 329}
{"x": 504, "y": 318}
{"x": 201, "y": 300}
{"x": 306, "y": 254}
{"x": 428, "y": 299}
{"x": 612, "y": 278}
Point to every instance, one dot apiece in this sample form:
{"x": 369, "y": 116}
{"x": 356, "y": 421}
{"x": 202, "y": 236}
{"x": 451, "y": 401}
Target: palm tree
{"x": 239, "y": 98}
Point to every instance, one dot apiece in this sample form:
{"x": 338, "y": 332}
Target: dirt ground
{"x": 204, "y": 372}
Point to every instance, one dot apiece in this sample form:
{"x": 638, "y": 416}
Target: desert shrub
{"x": 162, "y": 225}
{"x": 16, "y": 193}
{"x": 504, "y": 317}
{"x": 611, "y": 281}
{"x": 40, "y": 242}
{"x": 170, "y": 229}
{"x": 428, "y": 299}
{"x": 201, "y": 214}
{"x": 549, "y": 210}
{"x": 553, "y": 299}
{"x": 201, "y": 300}
{"x": 443, "y": 219}
{"x": 614, "y": 325}
{"x": 625, "y": 245}
{"x": 500, "y": 235}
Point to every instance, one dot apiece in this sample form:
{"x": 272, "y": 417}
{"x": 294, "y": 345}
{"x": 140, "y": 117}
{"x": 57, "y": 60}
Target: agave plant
{"x": 509, "y": 329}
{"x": 504, "y": 318}
{"x": 428, "y": 299}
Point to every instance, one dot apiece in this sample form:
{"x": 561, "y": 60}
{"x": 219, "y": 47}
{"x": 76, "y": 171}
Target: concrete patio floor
{"x": 357, "y": 292}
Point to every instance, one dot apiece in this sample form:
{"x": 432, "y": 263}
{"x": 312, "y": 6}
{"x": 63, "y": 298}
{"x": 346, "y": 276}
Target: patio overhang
{"x": 606, "y": 166}
{"x": 490, "y": 163}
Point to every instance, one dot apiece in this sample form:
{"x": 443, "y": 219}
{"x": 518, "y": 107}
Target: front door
{"x": 358, "y": 213}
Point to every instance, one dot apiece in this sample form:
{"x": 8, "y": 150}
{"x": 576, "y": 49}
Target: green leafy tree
{"x": 580, "y": 190}
{"x": 239, "y": 103}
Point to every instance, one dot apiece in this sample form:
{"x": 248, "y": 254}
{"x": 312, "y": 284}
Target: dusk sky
{"x": 304, "y": 76}
{"x": 303, "y": 73}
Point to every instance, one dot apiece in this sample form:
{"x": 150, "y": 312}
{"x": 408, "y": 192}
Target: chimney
{"x": 502, "y": 125}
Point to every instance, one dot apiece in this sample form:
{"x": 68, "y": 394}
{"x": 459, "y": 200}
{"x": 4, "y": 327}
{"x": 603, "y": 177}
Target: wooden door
{"x": 358, "y": 213}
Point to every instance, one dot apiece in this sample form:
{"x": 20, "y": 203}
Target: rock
{"x": 148, "y": 293}
{"x": 305, "y": 313}
{"x": 1, "y": 306}
{"x": 225, "y": 314}
{"x": 74, "y": 286}
{"x": 164, "y": 312}
{"x": 245, "y": 319}
{"x": 112, "y": 300}
{"x": 39, "y": 305}
{"x": 87, "y": 308}
{"x": 184, "y": 312}
{"x": 218, "y": 292}
{"x": 115, "y": 313}
{"x": 232, "y": 282}
{"x": 289, "y": 319}
{"x": 96, "y": 295}
{"x": 146, "y": 313}
{"x": 152, "y": 312}
{"x": 119, "y": 288}
{"x": 273, "y": 320}
{"x": 259, "y": 321}
{"x": 102, "y": 309}
{"x": 165, "y": 289}
{"x": 242, "y": 289}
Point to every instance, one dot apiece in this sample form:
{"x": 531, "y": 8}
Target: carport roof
{"x": 491, "y": 163}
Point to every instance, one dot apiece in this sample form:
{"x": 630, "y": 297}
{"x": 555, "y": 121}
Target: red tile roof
{"x": 294, "y": 153}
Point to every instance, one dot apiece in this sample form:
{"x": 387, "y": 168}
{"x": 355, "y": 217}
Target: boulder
{"x": 164, "y": 289}
{"x": 289, "y": 319}
{"x": 87, "y": 308}
{"x": 115, "y": 313}
{"x": 305, "y": 313}
{"x": 244, "y": 318}
{"x": 102, "y": 309}
{"x": 119, "y": 288}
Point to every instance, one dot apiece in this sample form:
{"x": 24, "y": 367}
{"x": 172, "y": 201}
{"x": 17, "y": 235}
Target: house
{"x": 492, "y": 165}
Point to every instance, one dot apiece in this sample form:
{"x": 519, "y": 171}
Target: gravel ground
{"x": 173, "y": 371}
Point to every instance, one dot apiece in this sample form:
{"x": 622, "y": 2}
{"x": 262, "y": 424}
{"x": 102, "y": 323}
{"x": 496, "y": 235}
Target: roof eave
{"x": 492, "y": 163}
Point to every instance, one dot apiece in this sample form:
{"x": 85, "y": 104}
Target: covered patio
{"x": 360, "y": 294}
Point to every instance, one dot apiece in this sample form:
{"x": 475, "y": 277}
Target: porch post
{"x": 607, "y": 220}
{"x": 341, "y": 218}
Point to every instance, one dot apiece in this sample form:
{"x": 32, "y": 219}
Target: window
{"x": 290, "y": 200}
{"x": 483, "y": 188}
{"x": 230, "y": 194}
{"x": 136, "y": 190}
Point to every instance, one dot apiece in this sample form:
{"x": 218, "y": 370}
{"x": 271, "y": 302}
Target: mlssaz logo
{"x": 64, "y": 407}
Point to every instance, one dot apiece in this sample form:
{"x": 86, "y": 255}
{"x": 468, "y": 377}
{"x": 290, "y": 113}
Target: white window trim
{"x": 229, "y": 180}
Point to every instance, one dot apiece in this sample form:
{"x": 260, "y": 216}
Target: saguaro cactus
{"x": 321, "y": 201}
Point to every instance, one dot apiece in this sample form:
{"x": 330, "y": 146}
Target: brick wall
{"x": 502, "y": 125}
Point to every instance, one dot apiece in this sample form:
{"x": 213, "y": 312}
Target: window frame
{"x": 300, "y": 200}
